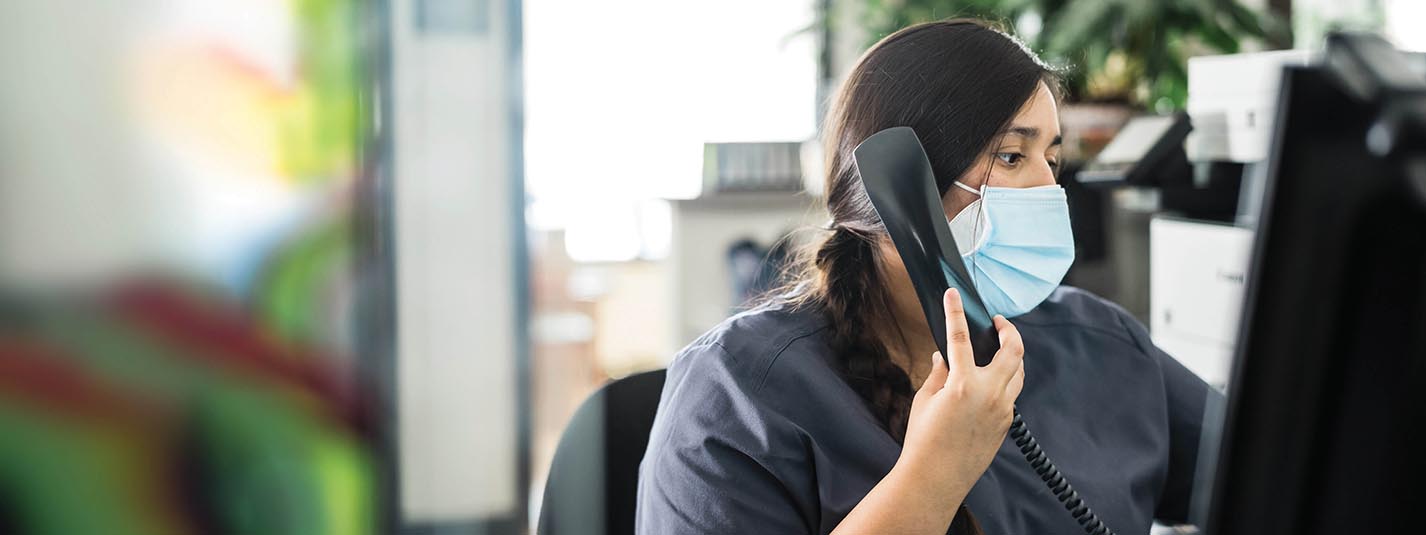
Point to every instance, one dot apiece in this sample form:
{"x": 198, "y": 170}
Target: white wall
{"x": 455, "y": 268}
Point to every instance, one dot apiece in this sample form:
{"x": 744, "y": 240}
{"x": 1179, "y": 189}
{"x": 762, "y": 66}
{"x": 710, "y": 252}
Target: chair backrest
{"x": 594, "y": 478}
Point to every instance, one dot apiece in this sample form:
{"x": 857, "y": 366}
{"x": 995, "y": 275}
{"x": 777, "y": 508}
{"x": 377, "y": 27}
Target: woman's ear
{"x": 955, "y": 200}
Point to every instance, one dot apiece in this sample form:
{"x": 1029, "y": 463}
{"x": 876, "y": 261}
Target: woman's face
{"x": 1026, "y": 156}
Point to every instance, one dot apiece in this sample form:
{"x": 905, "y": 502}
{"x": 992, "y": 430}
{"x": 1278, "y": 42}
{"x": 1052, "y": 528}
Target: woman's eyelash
{"x": 1013, "y": 158}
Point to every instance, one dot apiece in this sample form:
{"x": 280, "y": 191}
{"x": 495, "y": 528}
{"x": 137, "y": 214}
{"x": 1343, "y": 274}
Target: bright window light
{"x": 621, "y": 96}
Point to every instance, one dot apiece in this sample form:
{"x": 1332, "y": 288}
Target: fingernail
{"x": 935, "y": 357}
{"x": 955, "y": 292}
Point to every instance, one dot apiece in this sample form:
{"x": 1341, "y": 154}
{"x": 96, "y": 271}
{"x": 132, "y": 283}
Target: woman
{"x": 827, "y": 409}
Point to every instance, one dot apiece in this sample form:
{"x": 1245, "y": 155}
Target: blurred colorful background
{"x": 176, "y": 323}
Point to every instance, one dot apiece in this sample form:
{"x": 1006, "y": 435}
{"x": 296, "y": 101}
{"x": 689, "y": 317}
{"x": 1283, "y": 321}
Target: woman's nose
{"x": 1044, "y": 173}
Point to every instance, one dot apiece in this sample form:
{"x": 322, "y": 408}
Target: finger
{"x": 1016, "y": 384}
{"x": 1011, "y": 353}
{"x": 937, "y": 378}
{"x": 962, "y": 357}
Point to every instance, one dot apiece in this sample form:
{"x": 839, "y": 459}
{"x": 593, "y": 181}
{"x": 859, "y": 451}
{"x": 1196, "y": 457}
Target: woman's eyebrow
{"x": 1030, "y": 133}
{"x": 1027, "y": 132}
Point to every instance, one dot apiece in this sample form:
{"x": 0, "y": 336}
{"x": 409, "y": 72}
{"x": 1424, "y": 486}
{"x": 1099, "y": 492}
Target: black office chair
{"x": 594, "y": 478}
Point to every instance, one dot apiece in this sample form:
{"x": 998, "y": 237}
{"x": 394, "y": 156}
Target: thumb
{"x": 937, "y": 378}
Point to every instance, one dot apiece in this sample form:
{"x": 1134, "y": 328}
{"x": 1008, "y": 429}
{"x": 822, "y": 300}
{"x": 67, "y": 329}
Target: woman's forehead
{"x": 1038, "y": 117}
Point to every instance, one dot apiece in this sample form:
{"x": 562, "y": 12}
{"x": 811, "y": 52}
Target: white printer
{"x": 1198, "y": 268}
{"x": 1232, "y": 100}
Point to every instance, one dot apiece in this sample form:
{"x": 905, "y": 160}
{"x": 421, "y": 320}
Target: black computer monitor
{"x": 1322, "y": 428}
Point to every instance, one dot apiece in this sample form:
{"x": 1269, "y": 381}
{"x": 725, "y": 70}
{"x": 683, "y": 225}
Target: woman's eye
{"x": 1010, "y": 158}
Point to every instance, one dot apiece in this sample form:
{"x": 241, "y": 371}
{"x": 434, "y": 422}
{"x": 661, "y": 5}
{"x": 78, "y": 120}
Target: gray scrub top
{"x": 758, "y": 433}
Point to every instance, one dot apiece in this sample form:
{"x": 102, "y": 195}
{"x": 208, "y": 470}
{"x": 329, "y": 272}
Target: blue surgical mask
{"x": 1016, "y": 243}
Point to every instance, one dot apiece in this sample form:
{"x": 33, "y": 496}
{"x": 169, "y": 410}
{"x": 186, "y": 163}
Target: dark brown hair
{"x": 957, "y": 83}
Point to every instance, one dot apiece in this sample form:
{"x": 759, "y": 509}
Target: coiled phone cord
{"x": 1054, "y": 479}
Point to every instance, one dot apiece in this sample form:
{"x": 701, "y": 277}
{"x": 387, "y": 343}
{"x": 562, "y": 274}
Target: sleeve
{"x": 706, "y": 469}
{"x": 1186, "y": 397}
{"x": 716, "y": 490}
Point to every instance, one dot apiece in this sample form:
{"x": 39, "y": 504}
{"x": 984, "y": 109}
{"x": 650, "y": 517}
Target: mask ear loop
{"x": 979, "y": 215}
{"x": 975, "y": 230}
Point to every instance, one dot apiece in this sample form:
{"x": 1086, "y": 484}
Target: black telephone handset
{"x": 899, "y": 180}
{"x": 897, "y": 176}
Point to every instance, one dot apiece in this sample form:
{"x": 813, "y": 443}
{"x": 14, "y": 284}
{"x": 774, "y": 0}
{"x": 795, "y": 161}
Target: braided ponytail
{"x": 852, "y": 296}
{"x": 846, "y": 284}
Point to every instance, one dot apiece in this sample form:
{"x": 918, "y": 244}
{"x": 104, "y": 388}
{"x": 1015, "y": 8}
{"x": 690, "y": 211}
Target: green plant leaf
{"x": 1078, "y": 24}
{"x": 1154, "y": 36}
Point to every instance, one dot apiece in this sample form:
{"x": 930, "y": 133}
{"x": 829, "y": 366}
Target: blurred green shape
{"x": 322, "y": 127}
{"x": 249, "y": 452}
{"x": 1131, "y": 51}
{"x": 276, "y": 471}
{"x": 60, "y": 477}
{"x": 294, "y": 295}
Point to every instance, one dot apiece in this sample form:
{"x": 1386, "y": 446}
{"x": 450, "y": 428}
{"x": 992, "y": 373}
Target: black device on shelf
{"x": 1149, "y": 152}
{"x": 1322, "y": 429}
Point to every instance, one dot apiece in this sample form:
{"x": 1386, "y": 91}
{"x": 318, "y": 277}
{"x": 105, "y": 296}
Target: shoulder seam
{"x": 663, "y": 441}
{"x": 1123, "y": 337}
{"x": 1130, "y": 331}
{"x": 1124, "y": 334}
{"x": 782, "y": 349}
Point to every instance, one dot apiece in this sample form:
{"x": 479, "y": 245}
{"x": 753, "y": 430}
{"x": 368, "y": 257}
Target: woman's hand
{"x": 958, "y": 420}
{"x": 961, "y": 413}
